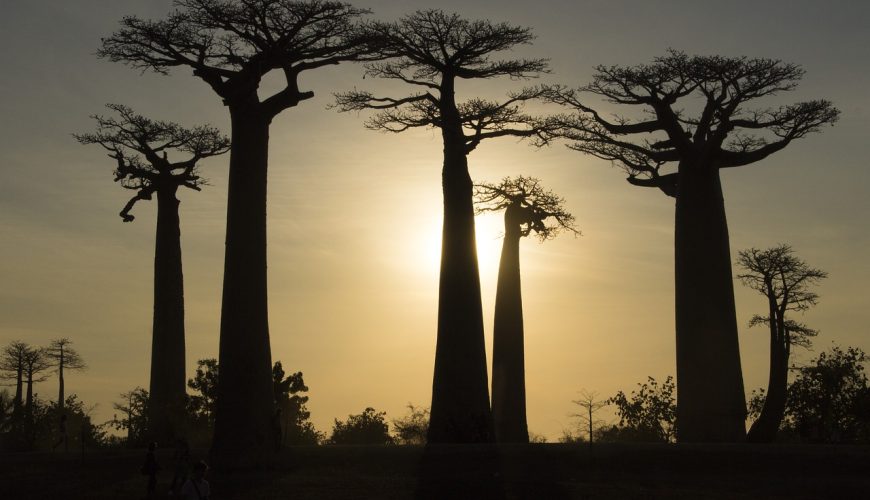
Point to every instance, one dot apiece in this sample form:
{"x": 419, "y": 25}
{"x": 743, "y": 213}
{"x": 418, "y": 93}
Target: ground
{"x": 545, "y": 471}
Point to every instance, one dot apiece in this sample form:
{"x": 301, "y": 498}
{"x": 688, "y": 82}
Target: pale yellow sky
{"x": 354, "y": 215}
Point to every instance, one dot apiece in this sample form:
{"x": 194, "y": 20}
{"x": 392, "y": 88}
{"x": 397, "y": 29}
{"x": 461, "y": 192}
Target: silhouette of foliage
{"x": 296, "y": 428}
{"x": 368, "y": 427}
{"x": 542, "y": 211}
{"x": 411, "y": 429}
{"x": 829, "y": 400}
{"x": 589, "y": 404}
{"x": 134, "y": 416}
{"x": 204, "y": 382}
{"x": 140, "y": 145}
{"x": 648, "y": 414}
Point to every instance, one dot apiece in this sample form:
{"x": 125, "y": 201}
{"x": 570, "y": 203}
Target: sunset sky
{"x": 354, "y": 216}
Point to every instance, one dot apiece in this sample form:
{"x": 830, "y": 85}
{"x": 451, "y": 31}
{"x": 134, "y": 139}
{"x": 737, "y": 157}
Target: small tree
{"x": 205, "y": 382}
{"x": 139, "y": 146}
{"x": 36, "y": 362}
{"x": 411, "y": 429}
{"x": 829, "y": 400}
{"x": 785, "y": 281}
{"x": 134, "y": 416}
{"x": 231, "y": 45}
{"x": 695, "y": 112}
{"x": 648, "y": 414}
{"x": 63, "y": 357}
{"x": 528, "y": 208}
{"x": 589, "y": 403}
{"x": 12, "y": 367}
{"x": 296, "y": 428}
{"x": 368, "y": 427}
{"x": 432, "y": 51}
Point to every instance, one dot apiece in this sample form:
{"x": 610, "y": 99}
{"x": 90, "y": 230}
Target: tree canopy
{"x": 542, "y": 211}
{"x": 722, "y": 131}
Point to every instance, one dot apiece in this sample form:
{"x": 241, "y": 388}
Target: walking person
{"x": 150, "y": 468}
{"x": 196, "y": 487}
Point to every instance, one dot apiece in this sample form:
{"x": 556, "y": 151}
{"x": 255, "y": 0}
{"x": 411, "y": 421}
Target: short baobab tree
{"x": 140, "y": 148}
{"x": 231, "y": 45}
{"x": 432, "y": 52}
{"x": 694, "y": 112}
{"x": 528, "y": 209}
{"x": 785, "y": 281}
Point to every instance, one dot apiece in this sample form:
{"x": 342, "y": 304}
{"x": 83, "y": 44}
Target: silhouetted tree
{"x": 140, "y": 146}
{"x": 411, "y": 429}
{"x": 648, "y": 414}
{"x": 725, "y": 132}
{"x": 430, "y": 50}
{"x": 63, "y": 357}
{"x": 232, "y": 45}
{"x": 12, "y": 367}
{"x": 296, "y": 428}
{"x": 135, "y": 416}
{"x": 205, "y": 382}
{"x": 785, "y": 282}
{"x": 35, "y": 364}
{"x": 528, "y": 208}
{"x": 829, "y": 400}
{"x": 589, "y": 403}
{"x": 369, "y": 427}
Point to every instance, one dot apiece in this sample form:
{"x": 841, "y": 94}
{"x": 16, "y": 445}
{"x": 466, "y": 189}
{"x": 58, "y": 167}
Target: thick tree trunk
{"x": 167, "y": 387}
{"x": 508, "y": 364}
{"x": 243, "y": 416}
{"x": 460, "y": 411}
{"x": 710, "y": 398}
{"x": 28, "y": 404}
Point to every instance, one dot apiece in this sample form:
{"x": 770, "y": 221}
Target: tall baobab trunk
{"x": 243, "y": 430}
{"x": 167, "y": 387}
{"x": 508, "y": 370}
{"x": 710, "y": 398}
{"x": 765, "y": 427}
{"x": 17, "y": 405}
{"x": 60, "y": 389}
{"x": 460, "y": 394}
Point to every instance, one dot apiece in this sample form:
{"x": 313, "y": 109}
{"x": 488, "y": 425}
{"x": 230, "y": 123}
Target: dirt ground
{"x": 546, "y": 471}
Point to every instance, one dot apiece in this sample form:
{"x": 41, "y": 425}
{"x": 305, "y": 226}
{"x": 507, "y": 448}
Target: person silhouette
{"x": 182, "y": 465}
{"x": 196, "y": 487}
{"x": 150, "y": 468}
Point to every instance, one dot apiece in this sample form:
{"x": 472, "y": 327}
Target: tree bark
{"x": 60, "y": 388}
{"x": 460, "y": 411}
{"x": 19, "y": 387}
{"x": 710, "y": 397}
{"x": 508, "y": 370}
{"x": 243, "y": 430}
{"x": 765, "y": 427}
{"x": 167, "y": 385}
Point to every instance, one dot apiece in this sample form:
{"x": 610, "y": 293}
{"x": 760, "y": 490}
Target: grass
{"x": 606, "y": 471}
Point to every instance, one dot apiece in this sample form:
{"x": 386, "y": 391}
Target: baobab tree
{"x": 232, "y": 45}
{"x": 785, "y": 281}
{"x": 139, "y": 147}
{"x": 528, "y": 209}
{"x": 12, "y": 367}
{"x": 725, "y": 132}
{"x": 431, "y": 51}
{"x": 35, "y": 365}
{"x": 63, "y": 357}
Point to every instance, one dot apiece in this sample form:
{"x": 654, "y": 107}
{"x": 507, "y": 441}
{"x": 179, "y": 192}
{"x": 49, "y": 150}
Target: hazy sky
{"x": 354, "y": 215}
